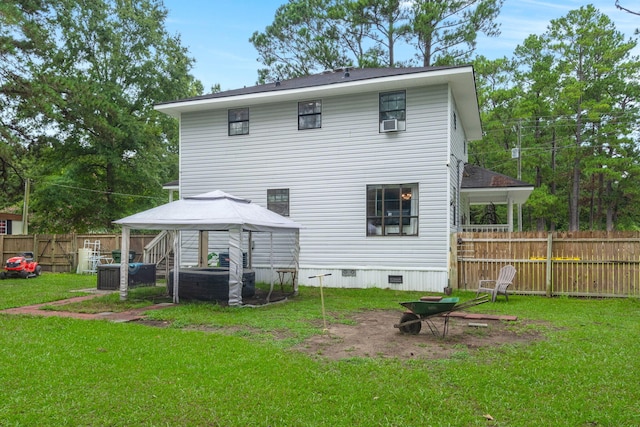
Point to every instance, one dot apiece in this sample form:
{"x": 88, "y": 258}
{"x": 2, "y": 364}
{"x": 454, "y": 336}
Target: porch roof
{"x": 481, "y": 186}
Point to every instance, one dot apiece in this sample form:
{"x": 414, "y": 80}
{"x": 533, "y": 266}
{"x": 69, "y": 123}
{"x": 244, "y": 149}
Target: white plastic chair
{"x": 505, "y": 278}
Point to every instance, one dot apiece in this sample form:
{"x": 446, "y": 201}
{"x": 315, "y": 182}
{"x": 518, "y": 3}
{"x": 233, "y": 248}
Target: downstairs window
{"x": 392, "y": 210}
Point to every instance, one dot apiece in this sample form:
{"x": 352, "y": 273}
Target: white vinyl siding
{"x": 327, "y": 172}
{"x": 458, "y": 158}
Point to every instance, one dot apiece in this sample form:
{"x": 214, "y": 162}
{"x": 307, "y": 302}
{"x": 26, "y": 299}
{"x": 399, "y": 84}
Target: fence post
{"x": 74, "y": 254}
{"x": 453, "y": 262}
{"x": 549, "y": 283}
{"x": 53, "y": 253}
{"x": 35, "y": 247}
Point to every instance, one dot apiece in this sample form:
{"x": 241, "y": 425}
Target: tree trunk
{"x": 574, "y": 221}
{"x": 540, "y": 222}
{"x": 602, "y": 193}
{"x": 611, "y": 207}
{"x": 574, "y": 207}
{"x": 427, "y": 50}
{"x": 110, "y": 178}
{"x": 592, "y": 203}
{"x": 390, "y": 41}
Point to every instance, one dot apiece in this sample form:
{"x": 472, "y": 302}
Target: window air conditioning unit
{"x": 389, "y": 125}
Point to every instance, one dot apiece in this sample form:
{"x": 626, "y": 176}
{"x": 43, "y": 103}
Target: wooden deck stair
{"x": 160, "y": 252}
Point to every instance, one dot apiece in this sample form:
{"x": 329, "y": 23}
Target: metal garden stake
{"x": 324, "y": 317}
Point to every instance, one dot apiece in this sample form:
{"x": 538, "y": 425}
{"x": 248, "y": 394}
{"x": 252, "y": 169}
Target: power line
{"x": 112, "y": 193}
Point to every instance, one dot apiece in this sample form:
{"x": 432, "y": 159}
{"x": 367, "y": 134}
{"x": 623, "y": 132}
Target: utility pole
{"x": 25, "y": 207}
{"x": 516, "y": 153}
{"x": 519, "y": 171}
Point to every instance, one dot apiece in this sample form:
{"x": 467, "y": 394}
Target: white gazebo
{"x": 214, "y": 211}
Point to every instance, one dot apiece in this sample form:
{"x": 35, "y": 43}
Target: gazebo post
{"x": 296, "y": 261}
{"x": 203, "y": 248}
{"x": 176, "y": 265}
{"x": 124, "y": 263}
{"x": 271, "y": 275}
{"x": 235, "y": 265}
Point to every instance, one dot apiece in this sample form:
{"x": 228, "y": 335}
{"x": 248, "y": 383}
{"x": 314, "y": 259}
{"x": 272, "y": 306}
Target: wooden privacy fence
{"x": 598, "y": 264}
{"x": 58, "y": 253}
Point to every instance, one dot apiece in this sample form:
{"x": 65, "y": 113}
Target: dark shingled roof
{"x": 10, "y": 216}
{"x": 476, "y": 177}
{"x": 341, "y": 75}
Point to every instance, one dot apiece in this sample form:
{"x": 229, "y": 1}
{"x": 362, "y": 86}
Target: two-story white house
{"x": 368, "y": 161}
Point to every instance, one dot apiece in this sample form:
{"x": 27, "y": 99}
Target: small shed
{"x": 213, "y": 211}
{"x": 11, "y": 223}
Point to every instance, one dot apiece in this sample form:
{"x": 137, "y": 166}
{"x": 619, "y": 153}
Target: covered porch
{"x": 484, "y": 187}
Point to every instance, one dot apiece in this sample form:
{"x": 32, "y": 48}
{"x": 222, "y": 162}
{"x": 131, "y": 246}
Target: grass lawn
{"x": 67, "y": 372}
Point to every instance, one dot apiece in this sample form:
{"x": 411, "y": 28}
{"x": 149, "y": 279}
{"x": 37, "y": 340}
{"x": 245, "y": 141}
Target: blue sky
{"x": 217, "y": 32}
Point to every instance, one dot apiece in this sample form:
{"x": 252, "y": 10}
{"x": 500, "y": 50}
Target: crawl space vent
{"x": 395, "y": 280}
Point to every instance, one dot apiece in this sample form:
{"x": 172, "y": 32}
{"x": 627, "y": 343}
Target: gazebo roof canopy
{"x": 214, "y": 211}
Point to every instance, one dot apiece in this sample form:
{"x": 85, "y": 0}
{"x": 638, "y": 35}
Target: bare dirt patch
{"x": 373, "y": 335}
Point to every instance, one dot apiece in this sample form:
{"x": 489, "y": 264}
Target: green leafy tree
{"x": 371, "y": 29}
{"x": 597, "y": 75}
{"x": 497, "y": 96}
{"x": 309, "y": 36}
{"x": 299, "y": 42}
{"x": 569, "y": 98}
{"x": 571, "y": 94}
{"x": 538, "y": 131}
{"x": 445, "y": 32}
{"x": 22, "y": 38}
{"x": 105, "y": 151}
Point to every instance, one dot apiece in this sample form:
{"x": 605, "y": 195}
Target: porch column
{"x": 510, "y": 213}
{"x": 467, "y": 213}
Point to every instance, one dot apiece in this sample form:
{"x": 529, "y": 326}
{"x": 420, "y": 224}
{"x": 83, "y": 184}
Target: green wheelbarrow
{"x": 427, "y": 308}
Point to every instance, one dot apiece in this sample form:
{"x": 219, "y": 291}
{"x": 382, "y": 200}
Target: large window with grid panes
{"x": 4, "y": 229}
{"x": 392, "y": 210}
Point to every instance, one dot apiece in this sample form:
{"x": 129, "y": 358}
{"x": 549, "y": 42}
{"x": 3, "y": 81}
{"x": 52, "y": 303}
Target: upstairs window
{"x": 393, "y": 111}
{"x": 392, "y": 210}
{"x": 309, "y": 115}
{"x": 278, "y": 201}
{"x": 239, "y": 121}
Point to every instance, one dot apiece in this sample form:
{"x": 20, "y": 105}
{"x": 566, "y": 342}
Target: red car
{"x": 22, "y": 265}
